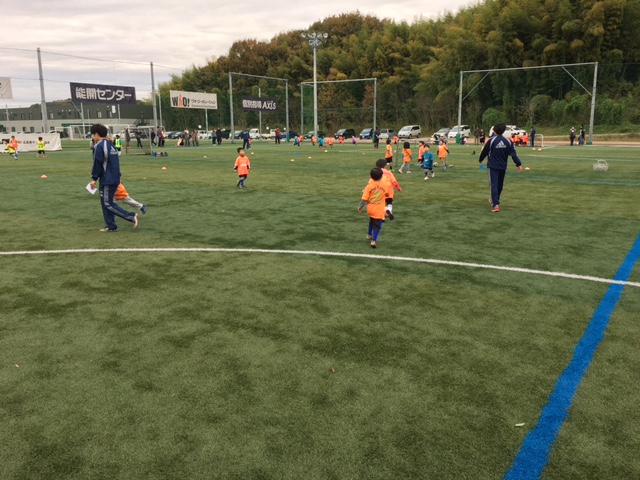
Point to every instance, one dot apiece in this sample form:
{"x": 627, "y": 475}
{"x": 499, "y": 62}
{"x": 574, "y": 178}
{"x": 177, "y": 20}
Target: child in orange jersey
{"x": 393, "y": 185}
{"x": 395, "y": 139}
{"x": 388, "y": 154}
{"x": 443, "y": 152}
{"x": 242, "y": 166}
{"x": 373, "y": 198}
{"x": 340, "y": 139}
{"x": 407, "y": 156}
{"x": 420, "y": 151}
{"x": 330, "y": 141}
{"x": 122, "y": 194}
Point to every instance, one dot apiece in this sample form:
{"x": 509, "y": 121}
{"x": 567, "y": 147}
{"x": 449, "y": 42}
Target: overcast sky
{"x": 119, "y": 42}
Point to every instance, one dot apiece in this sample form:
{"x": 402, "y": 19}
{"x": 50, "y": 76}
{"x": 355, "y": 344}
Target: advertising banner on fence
{"x": 111, "y": 94}
{"x": 181, "y": 99}
{"x": 256, "y": 104}
{"x": 28, "y": 142}
{"x": 5, "y": 88}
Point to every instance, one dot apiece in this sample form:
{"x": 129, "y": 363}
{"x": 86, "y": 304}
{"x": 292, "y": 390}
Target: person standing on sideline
{"x": 127, "y": 140}
{"x": 277, "y": 136}
{"x": 532, "y": 136}
{"x": 572, "y": 136}
{"x": 582, "y": 134}
{"x": 106, "y": 168}
{"x": 376, "y": 138}
{"x": 498, "y": 149}
{"x": 219, "y": 136}
{"x": 245, "y": 140}
{"x": 139, "y": 139}
{"x": 477, "y": 136}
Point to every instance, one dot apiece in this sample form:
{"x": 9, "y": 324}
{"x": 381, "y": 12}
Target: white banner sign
{"x": 28, "y": 142}
{"x": 5, "y": 88}
{"x": 181, "y": 99}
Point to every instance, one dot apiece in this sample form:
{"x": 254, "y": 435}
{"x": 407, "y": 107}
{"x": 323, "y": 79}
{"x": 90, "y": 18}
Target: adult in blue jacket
{"x": 106, "y": 168}
{"x": 498, "y": 149}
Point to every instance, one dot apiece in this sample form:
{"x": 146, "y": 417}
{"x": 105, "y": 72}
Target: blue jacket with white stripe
{"x": 106, "y": 163}
{"x": 498, "y": 149}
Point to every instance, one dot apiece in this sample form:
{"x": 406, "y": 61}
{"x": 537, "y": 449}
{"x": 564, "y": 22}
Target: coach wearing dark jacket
{"x": 106, "y": 168}
{"x": 498, "y": 149}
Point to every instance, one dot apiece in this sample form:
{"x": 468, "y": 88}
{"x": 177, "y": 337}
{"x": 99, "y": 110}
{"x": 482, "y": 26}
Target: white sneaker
{"x": 135, "y": 221}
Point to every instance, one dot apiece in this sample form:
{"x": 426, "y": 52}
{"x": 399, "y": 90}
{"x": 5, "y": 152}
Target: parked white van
{"x": 410, "y": 131}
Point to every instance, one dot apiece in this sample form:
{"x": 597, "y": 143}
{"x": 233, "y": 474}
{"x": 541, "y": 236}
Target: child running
{"x": 443, "y": 152}
{"x": 242, "y": 166}
{"x": 122, "y": 194}
{"x": 388, "y": 155}
{"x": 10, "y": 149}
{"x": 427, "y": 162}
{"x": 420, "y": 152}
{"x": 373, "y": 198}
{"x": 393, "y": 185}
{"x": 407, "y": 156}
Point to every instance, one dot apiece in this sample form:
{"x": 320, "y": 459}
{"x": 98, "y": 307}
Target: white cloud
{"x": 167, "y": 33}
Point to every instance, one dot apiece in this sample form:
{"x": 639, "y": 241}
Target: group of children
{"x": 379, "y": 193}
{"x": 12, "y": 147}
{"x": 425, "y": 157}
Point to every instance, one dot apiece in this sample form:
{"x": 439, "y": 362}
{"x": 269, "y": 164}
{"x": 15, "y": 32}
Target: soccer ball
{"x": 539, "y": 149}
{"x": 252, "y": 153}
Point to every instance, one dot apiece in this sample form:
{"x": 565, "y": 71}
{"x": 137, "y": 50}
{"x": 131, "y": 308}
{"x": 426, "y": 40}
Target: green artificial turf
{"x": 200, "y": 365}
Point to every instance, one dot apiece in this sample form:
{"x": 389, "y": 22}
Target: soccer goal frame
{"x": 563, "y": 66}
{"x": 310, "y": 84}
{"x": 286, "y": 85}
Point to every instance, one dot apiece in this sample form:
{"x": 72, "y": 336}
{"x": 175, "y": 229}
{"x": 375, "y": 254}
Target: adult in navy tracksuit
{"x": 106, "y": 167}
{"x": 498, "y": 149}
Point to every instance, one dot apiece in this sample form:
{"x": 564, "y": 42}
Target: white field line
{"x": 330, "y": 254}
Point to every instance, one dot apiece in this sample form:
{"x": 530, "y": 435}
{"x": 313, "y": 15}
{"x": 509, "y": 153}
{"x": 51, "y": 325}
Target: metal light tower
{"x": 315, "y": 39}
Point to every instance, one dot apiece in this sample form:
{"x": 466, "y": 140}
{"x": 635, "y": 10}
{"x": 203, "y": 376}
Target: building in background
{"x": 66, "y": 117}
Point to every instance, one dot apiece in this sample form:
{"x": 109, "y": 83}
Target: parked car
{"x": 387, "y": 133}
{"x": 237, "y": 134}
{"x": 292, "y": 134}
{"x": 410, "y": 131}
{"x": 321, "y": 134}
{"x": 345, "y": 133}
{"x": 463, "y": 130}
{"x": 254, "y": 134}
{"x": 366, "y": 134}
{"x": 443, "y": 132}
{"x": 511, "y": 130}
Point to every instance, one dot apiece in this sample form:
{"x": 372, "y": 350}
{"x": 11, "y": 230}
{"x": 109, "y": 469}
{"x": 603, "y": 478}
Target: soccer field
{"x": 255, "y": 334}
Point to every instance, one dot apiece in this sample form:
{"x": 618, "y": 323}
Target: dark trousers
{"x": 496, "y": 182}
{"x": 110, "y": 209}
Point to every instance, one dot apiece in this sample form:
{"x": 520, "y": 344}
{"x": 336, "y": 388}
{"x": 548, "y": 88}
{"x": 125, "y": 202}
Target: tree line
{"x": 417, "y": 67}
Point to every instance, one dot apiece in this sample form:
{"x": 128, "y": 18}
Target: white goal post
{"x": 563, "y": 66}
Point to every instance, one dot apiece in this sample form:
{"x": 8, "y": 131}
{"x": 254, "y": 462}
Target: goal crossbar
{"x": 536, "y": 67}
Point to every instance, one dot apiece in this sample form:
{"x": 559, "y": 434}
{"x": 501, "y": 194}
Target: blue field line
{"x": 533, "y": 455}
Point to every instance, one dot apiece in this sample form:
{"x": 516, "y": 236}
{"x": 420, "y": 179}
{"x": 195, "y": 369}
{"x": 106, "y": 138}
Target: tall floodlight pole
{"x": 593, "y": 102}
{"x": 315, "y": 39}
{"x": 43, "y": 102}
